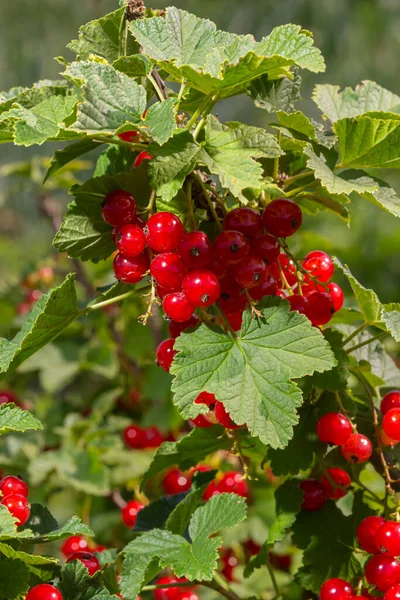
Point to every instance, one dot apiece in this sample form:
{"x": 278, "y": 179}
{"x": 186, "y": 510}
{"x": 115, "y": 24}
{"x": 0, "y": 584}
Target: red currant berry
{"x": 357, "y": 448}
{"x": 266, "y": 246}
{"x": 175, "y": 329}
{"x": 169, "y": 593}
{"x": 130, "y": 240}
{"x": 229, "y": 562}
{"x": 223, "y": 416}
{"x": 211, "y": 490}
{"x": 164, "y": 232}
{"x": 251, "y": 272}
{"x": 13, "y": 485}
{"x": 282, "y": 562}
{"x": 176, "y": 482}
{"x": 130, "y": 511}
{"x": 337, "y": 295}
{"x": 44, "y": 591}
{"x": 282, "y": 218}
{"x": 119, "y": 208}
{"x": 6, "y": 396}
{"x": 288, "y": 268}
{"x": 206, "y": 398}
{"x": 391, "y": 424}
{"x": 233, "y": 482}
{"x": 128, "y": 136}
{"x": 269, "y": 287}
{"x": 201, "y": 421}
{"x": 382, "y": 571}
{"x": 232, "y": 297}
{"x": 320, "y": 265}
{"x": 384, "y": 439}
{"x": 177, "y": 307}
{"x": 201, "y": 287}
{"x": 336, "y": 589}
{"x": 88, "y": 559}
{"x": 73, "y": 544}
{"x": 153, "y": 438}
{"x": 168, "y": 269}
{"x": 18, "y": 506}
{"x": 244, "y": 220}
{"x": 196, "y": 249}
{"x": 141, "y": 157}
{"x": 388, "y": 538}
{"x": 393, "y": 593}
{"x": 334, "y": 429}
{"x": 335, "y": 482}
{"x": 320, "y": 308}
{"x": 389, "y": 401}
{"x": 130, "y": 270}
{"x": 366, "y": 532}
{"x": 314, "y": 496}
{"x": 165, "y": 354}
{"x": 235, "y": 320}
{"x": 231, "y": 247}
{"x": 282, "y": 294}
{"x": 134, "y": 437}
{"x": 299, "y": 303}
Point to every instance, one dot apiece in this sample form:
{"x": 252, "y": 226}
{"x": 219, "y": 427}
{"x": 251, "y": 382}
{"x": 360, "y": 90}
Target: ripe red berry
{"x": 266, "y": 246}
{"x": 177, "y": 307}
{"x": 176, "y": 482}
{"x": 44, "y": 591}
{"x": 196, "y": 249}
{"x": 128, "y": 136}
{"x": 130, "y": 240}
{"x": 357, "y": 448}
{"x": 366, "y": 532}
{"x": 7, "y": 396}
{"x": 388, "y": 538}
{"x": 337, "y": 295}
{"x": 141, "y": 157}
{"x": 119, "y": 208}
{"x": 320, "y": 265}
{"x": 130, "y": 511}
{"x": 391, "y": 423}
{"x": 170, "y": 593}
{"x": 134, "y": 437}
{"x": 175, "y": 329}
{"x": 153, "y": 438}
{"x": 244, "y": 220}
{"x": 336, "y": 589}
{"x": 231, "y": 247}
{"x": 201, "y": 287}
{"x": 389, "y": 401}
{"x": 73, "y": 544}
{"x": 229, "y": 563}
{"x": 393, "y": 593}
{"x": 223, "y": 417}
{"x": 18, "y": 506}
{"x": 334, "y": 429}
{"x": 235, "y": 320}
{"x": 165, "y": 354}
{"x": 299, "y": 303}
{"x": 233, "y": 482}
{"x": 13, "y": 485}
{"x": 164, "y": 232}
{"x": 384, "y": 439}
{"x": 251, "y": 272}
{"x": 269, "y": 287}
{"x": 282, "y": 562}
{"x": 335, "y": 481}
{"x": 282, "y": 218}
{"x": 382, "y": 571}
{"x": 232, "y": 297}
{"x": 206, "y": 398}
{"x": 168, "y": 269}
{"x": 320, "y": 308}
{"x": 130, "y": 270}
{"x": 288, "y": 268}
{"x": 314, "y": 496}
{"x": 88, "y": 559}
{"x": 201, "y": 421}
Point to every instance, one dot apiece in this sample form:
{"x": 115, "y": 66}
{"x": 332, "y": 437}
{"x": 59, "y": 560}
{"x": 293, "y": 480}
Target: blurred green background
{"x": 360, "y": 39}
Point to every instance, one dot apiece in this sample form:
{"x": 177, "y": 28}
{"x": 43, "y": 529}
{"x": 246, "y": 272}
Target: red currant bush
{"x": 169, "y": 270}
{"x": 223, "y": 416}
{"x": 391, "y": 424}
{"x": 382, "y": 571}
{"x": 130, "y": 240}
{"x": 177, "y": 307}
{"x": 73, "y": 544}
{"x": 387, "y": 538}
{"x": 245, "y": 220}
{"x": 196, "y": 250}
{"x": 231, "y": 247}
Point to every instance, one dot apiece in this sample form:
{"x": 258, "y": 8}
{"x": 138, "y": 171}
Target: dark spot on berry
{"x": 256, "y": 276}
{"x": 354, "y": 458}
{"x": 146, "y": 230}
{"x": 205, "y": 298}
{"x": 234, "y": 248}
{"x": 195, "y": 251}
{"x": 225, "y": 296}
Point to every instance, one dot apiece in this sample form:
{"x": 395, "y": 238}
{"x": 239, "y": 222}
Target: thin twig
{"x": 208, "y": 199}
{"x": 355, "y": 333}
{"x": 369, "y": 341}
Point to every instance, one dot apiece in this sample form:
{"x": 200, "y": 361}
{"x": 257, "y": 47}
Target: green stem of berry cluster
{"x": 374, "y": 338}
{"x": 189, "y": 202}
{"x": 332, "y": 205}
{"x": 148, "y": 210}
{"x": 355, "y": 333}
{"x": 225, "y": 321}
{"x": 275, "y": 172}
{"x": 297, "y": 191}
{"x": 156, "y": 87}
{"x": 105, "y": 139}
{"x": 239, "y": 450}
{"x": 274, "y": 580}
{"x": 110, "y": 301}
{"x": 208, "y": 199}
{"x": 290, "y": 180}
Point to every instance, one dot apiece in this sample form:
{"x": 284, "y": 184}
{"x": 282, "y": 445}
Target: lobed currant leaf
{"x": 76, "y": 584}
{"x": 280, "y": 94}
{"x": 69, "y": 153}
{"x": 43, "y": 567}
{"x": 14, "y": 579}
{"x": 336, "y": 379}
{"x": 13, "y": 418}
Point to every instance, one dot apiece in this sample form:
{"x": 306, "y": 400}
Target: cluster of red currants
{"x": 139, "y": 438}
{"x": 174, "y": 593}
{"x": 15, "y": 498}
{"x": 390, "y": 409}
{"x": 77, "y": 547}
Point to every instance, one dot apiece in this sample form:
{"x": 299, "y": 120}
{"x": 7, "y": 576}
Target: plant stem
{"x": 369, "y": 341}
{"x": 208, "y": 199}
{"x": 149, "y": 588}
{"x": 296, "y": 191}
{"x": 149, "y": 208}
{"x": 273, "y": 579}
{"x": 225, "y": 321}
{"x": 288, "y": 182}
{"x": 104, "y": 139}
{"x": 156, "y": 87}
{"x": 238, "y": 446}
{"x": 189, "y": 201}
{"x": 87, "y": 504}
{"x": 217, "y": 588}
{"x": 334, "y": 206}
{"x": 111, "y": 300}
{"x": 198, "y": 113}
{"x": 355, "y": 333}
{"x": 275, "y": 173}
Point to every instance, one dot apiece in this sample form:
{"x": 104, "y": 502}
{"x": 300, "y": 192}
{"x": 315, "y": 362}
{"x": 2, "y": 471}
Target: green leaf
{"x": 179, "y": 518}
{"x": 13, "y": 418}
{"x": 251, "y": 374}
{"x": 111, "y": 99}
{"x": 160, "y": 120}
{"x": 155, "y": 514}
{"x": 41, "y": 566}
{"x": 382, "y": 364}
{"x": 76, "y": 584}
{"x": 8, "y": 527}
{"x": 73, "y": 526}
{"x": 257, "y": 562}
{"x": 298, "y": 122}
{"x": 30, "y": 97}
{"x": 102, "y": 37}
{"x": 50, "y": 316}
{"x": 288, "y": 499}
{"x": 337, "y": 378}
{"x": 14, "y": 579}
{"x": 299, "y": 453}
{"x": 136, "y": 65}
{"x": 86, "y": 473}
{"x": 41, "y": 520}
{"x": 368, "y": 96}
{"x": 226, "y": 510}
{"x": 384, "y": 196}
{"x": 83, "y": 233}
{"x": 368, "y": 301}
{"x": 391, "y": 317}
{"x": 367, "y": 142}
{"x": 189, "y": 451}
{"x": 278, "y": 95}
{"x": 66, "y": 155}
